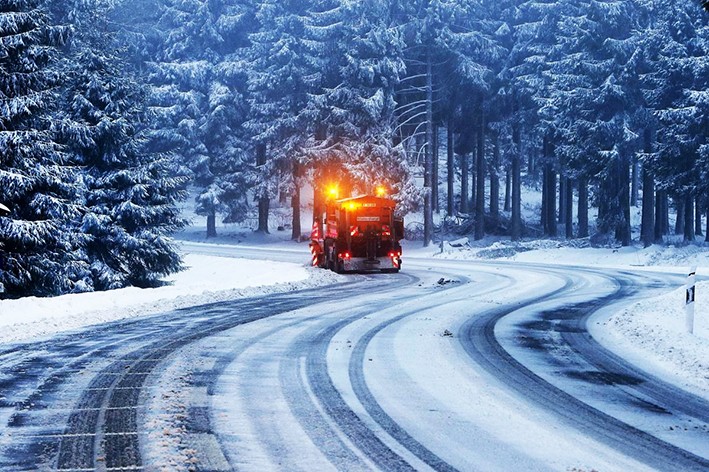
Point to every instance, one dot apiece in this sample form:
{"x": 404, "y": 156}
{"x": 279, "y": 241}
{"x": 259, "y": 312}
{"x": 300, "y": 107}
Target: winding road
{"x": 448, "y": 365}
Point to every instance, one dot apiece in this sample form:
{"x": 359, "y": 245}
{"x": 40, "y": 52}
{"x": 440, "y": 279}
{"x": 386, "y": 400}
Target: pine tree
{"x": 38, "y": 250}
{"x": 591, "y": 85}
{"x": 445, "y": 49}
{"x": 283, "y": 71}
{"x": 198, "y": 82}
{"x": 130, "y": 193}
{"x": 681, "y": 104}
{"x": 361, "y": 51}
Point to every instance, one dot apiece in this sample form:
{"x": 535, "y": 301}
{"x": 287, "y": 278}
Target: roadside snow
{"x": 207, "y": 279}
{"x": 652, "y": 334}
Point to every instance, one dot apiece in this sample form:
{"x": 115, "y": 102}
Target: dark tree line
{"x": 111, "y": 107}
{"x": 594, "y": 102}
{"x": 92, "y": 207}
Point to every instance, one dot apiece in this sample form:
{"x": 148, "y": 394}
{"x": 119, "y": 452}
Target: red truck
{"x": 358, "y": 234}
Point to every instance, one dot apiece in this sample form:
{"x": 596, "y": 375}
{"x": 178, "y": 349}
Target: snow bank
{"x": 652, "y": 334}
{"x": 207, "y": 279}
{"x": 576, "y": 252}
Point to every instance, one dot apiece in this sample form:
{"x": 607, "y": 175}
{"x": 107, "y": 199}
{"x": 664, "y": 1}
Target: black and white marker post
{"x": 689, "y": 300}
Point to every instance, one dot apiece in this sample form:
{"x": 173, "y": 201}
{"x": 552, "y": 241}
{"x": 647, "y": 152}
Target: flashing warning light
{"x": 381, "y": 191}
{"x": 352, "y": 206}
{"x": 332, "y": 192}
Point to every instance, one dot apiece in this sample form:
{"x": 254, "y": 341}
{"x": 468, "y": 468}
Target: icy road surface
{"x": 445, "y": 366}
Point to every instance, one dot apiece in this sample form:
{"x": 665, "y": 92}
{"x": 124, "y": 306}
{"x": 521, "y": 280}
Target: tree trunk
{"x": 473, "y": 176}
{"x": 647, "y": 228}
{"x": 679, "y": 222}
{"x": 583, "y": 208}
{"x": 553, "y": 227}
{"x": 666, "y": 214}
{"x": 706, "y": 238}
{"x": 212, "y": 225}
{"x": 434, "y": 177}
{"x": 495, "y": 179}
{"x": 563, "y": 182}
{"x": 634, "y": 183}
{"x": 698, "y": 217}
{"x": 480, "y": 179}
{"x": 516, "y": 223}
{"x": 551, "y": 219}
{"x": 464, "y": 180}
{"x": 659, "y": 217}
{"x": 568, "y": 208}
{"x": 623, "y": 227}
{"x": 428, "y": 158}
{"x": 689, "y": 218}
{"x": 451, "y": 171}
{"x": 543, "y": 220}
{"x": 295, "y": 203}
{"x": 508, "y": 189}
{"x": 264, "y": 200}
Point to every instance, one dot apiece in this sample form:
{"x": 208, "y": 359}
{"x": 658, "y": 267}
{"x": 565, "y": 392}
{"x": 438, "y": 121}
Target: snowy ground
{"x": 651, "y": 332}
{"x": 207, "y": 279}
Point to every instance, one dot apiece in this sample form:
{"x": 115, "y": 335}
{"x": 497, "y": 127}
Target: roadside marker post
{"x": 689, "y": 300}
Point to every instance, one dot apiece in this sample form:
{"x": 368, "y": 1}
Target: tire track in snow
{"x": 479, "y": 341}
{"x": 308, "y": 357}
{"x": 101, "y": 431}
{"x": 368, "y": 400}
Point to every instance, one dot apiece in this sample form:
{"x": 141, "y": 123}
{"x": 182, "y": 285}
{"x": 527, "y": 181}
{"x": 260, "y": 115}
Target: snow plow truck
{"x": 357, "y": 234}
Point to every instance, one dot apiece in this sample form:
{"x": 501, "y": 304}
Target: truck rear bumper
{"x": 357, "y": 264}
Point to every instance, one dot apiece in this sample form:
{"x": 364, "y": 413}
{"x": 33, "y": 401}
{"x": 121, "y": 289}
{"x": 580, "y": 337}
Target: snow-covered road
{"x": 449, "y": 365}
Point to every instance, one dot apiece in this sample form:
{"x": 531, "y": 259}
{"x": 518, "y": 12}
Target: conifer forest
{"x": 112, "y": 111}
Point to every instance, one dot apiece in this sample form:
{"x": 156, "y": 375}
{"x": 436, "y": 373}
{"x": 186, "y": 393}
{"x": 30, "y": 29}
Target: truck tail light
{"x": 345, "y": 256}
{"x": 354, "y": 230}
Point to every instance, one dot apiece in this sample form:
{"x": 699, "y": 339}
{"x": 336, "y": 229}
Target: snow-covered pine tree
{"x": 446, "y": 48}
{"x": 38, "y": 249}
{"x": 361, "y": 51}
{"x": 180, "y": 72}
{"x": 524, "y": 95}
{"x": 200, "y": 82}
{"x": 130, "y": 193}
{"x": 284, "y": 71}
{"x": 590, "y": 84}
{"x": 226, "y": 141}
{"x": 681, "y": 105}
